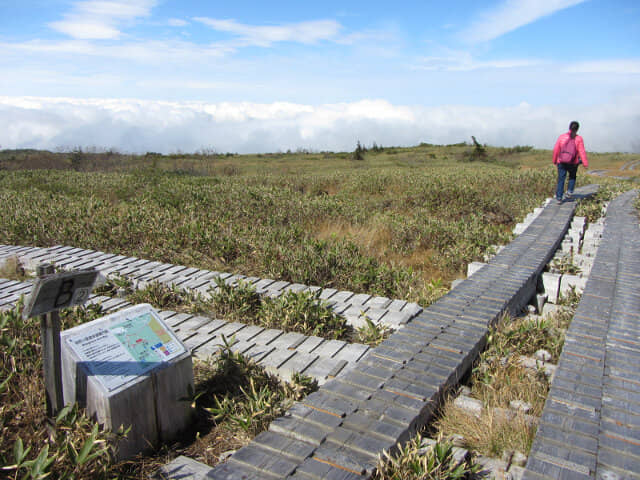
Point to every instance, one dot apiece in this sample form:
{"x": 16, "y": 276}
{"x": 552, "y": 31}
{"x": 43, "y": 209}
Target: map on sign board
{"x": 125, "y": 345}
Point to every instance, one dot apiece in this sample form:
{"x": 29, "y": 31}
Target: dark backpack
{"x": 568, "y": 151}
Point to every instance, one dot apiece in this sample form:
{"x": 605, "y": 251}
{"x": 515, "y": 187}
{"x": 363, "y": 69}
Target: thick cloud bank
{"x": 141, "y": 126}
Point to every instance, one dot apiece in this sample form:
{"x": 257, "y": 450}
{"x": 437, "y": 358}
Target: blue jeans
{"x": 563, "y": 169}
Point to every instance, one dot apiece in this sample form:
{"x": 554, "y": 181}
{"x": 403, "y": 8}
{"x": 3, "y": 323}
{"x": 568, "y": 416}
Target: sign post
{"x": 51, "y": 361}
{"x": 51, "y": 293}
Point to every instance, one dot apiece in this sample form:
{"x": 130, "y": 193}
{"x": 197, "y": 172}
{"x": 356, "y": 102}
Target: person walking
{"x": 568, "y": 153}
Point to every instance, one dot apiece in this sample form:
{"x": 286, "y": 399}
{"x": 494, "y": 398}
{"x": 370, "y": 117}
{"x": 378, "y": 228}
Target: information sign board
{"x": 124, "y": 345}
{"x": 59, "y": 290}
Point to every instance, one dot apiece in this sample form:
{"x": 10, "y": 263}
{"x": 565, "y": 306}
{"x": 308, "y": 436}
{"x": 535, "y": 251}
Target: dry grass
{"x": 497, "y": 379}
{"x": 496, "y": 382}
{"x": 12, "y": 269}
{"x": 489, "y": 434}
{"x": 30, "y": 442}
{"x": 374, "y": 239}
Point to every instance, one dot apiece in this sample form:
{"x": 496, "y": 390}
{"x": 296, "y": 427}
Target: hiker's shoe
{"x": 568, "y": 195}
{"x": 558, "y": 200}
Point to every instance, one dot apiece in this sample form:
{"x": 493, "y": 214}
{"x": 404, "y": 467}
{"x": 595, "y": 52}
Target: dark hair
{"x": 574, "y": 126}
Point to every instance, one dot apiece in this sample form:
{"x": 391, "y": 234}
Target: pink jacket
{"x": 564, "y": 138}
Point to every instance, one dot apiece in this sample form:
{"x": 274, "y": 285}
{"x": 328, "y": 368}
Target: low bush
{"x": 415, "y": 461}
{"x": 302, "y": 312}
{"x": 234, "y": 399}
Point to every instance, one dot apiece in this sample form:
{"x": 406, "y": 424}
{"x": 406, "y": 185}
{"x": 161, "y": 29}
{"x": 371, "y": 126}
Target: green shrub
{"x": 238, "y": 303}
{"x": 302, "y": 312}
{"x": 414, "y": 461}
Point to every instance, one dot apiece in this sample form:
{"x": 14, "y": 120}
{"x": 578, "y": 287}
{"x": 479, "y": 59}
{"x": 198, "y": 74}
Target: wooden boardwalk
{"x": 590, "y": 427}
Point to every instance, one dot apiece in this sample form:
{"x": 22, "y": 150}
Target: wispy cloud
{"x": 177, "y": 22}
{"x": 100, "y": 19}
{"x": 148, "y": 51}
{"x": 618, "y": 67}
{"x": 511, "y": 15}
{"x": 461, "y": 61}
{"x": 265, "y": 36}
{"x": 139, "y": 125}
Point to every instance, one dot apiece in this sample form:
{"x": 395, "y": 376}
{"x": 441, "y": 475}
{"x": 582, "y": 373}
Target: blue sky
{"x": 261, "y": 76}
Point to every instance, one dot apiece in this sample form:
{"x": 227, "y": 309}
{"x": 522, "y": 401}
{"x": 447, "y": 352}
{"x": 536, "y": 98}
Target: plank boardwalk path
{"x": 281, "y": 353}
{"x": 590, "y": 425}
{"x": 591, "y": 421}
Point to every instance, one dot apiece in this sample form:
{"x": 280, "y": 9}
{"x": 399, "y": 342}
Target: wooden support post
{"x": 51, "y": 360}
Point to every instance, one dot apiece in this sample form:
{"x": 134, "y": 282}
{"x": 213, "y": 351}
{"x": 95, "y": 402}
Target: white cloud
{"x": 99, "y": 19}
{"x": 511, "y": 15}
{"x": 460, "y": 61}
{"x": 150, "y": 51}
{"x": 177, "y": 22}
{"x": 264, "y": 36}
{"x": 140, "y": 126}
{"x": 618, "y": 67}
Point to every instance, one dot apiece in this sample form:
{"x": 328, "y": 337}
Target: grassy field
{"x": 401, "y": 222}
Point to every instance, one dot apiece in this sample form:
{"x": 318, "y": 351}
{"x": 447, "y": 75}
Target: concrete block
{"x": 470, "y": 405}
{"x": 520, "y": 406}
{"x": 491, "y": 468}
{"x": 551, "y": 285}
{"x": 575, "y": 236}
{"x": 519, "y": 228}
{"x": 542, "y": 355}
{"x": 473, "y": 267}
{"x": 516, "y": 472}
{"x": 567, "y": 246}
{"x": 539, "y": 301}
{"x": 548, "y": 369}
{"x": 567, "y": 282}
{"x": 551, "y": 309}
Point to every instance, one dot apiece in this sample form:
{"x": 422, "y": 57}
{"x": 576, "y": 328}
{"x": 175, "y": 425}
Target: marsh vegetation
{"x": 397, "y": 222}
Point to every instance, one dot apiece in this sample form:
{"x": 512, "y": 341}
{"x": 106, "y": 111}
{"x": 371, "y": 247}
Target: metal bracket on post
{"x": 52, "y": 363}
